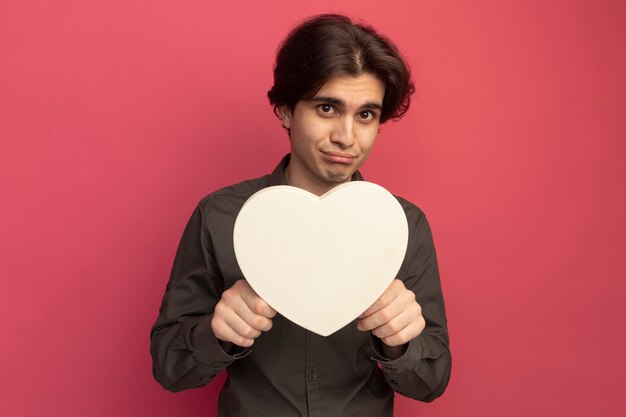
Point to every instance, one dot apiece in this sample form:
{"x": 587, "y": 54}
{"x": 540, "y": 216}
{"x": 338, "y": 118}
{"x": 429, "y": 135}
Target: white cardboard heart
{"x": 321, "y": 261}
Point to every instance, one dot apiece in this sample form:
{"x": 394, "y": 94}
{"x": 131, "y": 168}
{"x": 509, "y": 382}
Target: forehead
{"x": 355, "y": 90}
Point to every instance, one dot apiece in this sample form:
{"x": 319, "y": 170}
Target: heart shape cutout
{"x": 321, "y": 261}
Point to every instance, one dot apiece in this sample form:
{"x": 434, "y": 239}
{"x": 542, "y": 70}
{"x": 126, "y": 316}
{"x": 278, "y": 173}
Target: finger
{"x": 242, "y": 299}
{"x": 256, "y": 304}
{"x": 230, "y": 311}
{"x": 254, "y": 320}
{"x": 239, "y": 307}
{"x": 405, "y": 300}
{"x": 241, "y": 326}
{"x": 396, "y": 325}
{"x": 405, "y": 335}
{"x": 386, "y": 298}
{"x": 380, "y": 317}
{"x": 226, "y": 333}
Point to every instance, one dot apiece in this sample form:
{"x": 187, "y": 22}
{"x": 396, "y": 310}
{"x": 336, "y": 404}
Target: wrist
{"x": 226, "y": 346}
{"x": 393, "y": 352}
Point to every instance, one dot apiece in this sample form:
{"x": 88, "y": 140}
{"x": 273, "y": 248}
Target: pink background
{"x": 116, "y": 117}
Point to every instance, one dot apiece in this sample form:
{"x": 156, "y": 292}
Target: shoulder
{"x": 419, "y": 227}
{"x": 413, "y": 213}
{"x": 420, "y": 251}
{"x": 233, "y": 196}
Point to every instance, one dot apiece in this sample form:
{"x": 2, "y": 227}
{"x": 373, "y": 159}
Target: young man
{"x": 335, "y": 82}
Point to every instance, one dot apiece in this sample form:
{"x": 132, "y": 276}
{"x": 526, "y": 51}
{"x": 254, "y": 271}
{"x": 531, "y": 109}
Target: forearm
{"x": 185, "y": 352}
{"x": 422, "y": 372}
{"x": 187, "y": 355}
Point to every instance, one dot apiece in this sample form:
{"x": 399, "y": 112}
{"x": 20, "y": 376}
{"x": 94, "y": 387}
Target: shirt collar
{"x": 277, "y": 177}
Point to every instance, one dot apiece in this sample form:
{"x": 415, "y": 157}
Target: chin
{"x": 337, "y": 177}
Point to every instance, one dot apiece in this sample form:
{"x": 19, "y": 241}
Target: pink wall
{"x": 116, "y": 117}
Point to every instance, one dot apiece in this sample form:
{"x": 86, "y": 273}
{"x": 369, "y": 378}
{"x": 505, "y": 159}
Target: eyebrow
{"x": 340, "y": 103}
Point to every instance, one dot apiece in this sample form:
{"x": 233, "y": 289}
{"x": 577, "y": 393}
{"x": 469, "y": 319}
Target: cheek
{"x": 368, "y": 139}
{"x": 307, "y": 134}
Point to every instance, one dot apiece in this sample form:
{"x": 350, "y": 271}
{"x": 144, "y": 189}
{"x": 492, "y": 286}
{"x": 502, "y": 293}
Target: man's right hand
{"x": 240, "y": 316}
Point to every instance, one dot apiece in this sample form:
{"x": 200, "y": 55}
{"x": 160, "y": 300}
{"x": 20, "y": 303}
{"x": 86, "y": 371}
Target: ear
{"x": 285, "y": 115}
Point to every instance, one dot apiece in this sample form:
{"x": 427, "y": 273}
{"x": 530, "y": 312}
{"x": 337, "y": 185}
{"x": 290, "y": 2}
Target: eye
{"x": 366, "y": 115}
{"x": 326, "y": 108}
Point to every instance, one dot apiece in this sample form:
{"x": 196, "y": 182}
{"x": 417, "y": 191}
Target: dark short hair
{"x": 329, "y": 45}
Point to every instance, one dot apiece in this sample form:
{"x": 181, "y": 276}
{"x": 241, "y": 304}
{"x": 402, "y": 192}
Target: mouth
{"x": 339, "y": 157}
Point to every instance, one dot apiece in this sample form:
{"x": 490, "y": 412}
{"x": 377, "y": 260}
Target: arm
{"x": 408, "y": 323}
{"x": 185, "y": 353}
{"x": 202, "y": 327}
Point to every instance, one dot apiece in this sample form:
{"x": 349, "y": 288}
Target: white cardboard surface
{"x": 321, "y": 261}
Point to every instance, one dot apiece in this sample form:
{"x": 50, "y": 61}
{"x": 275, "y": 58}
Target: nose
{"x": 343, "y": 133}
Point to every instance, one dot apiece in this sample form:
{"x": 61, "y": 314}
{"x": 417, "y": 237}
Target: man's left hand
{"x": 395, "y": 317}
